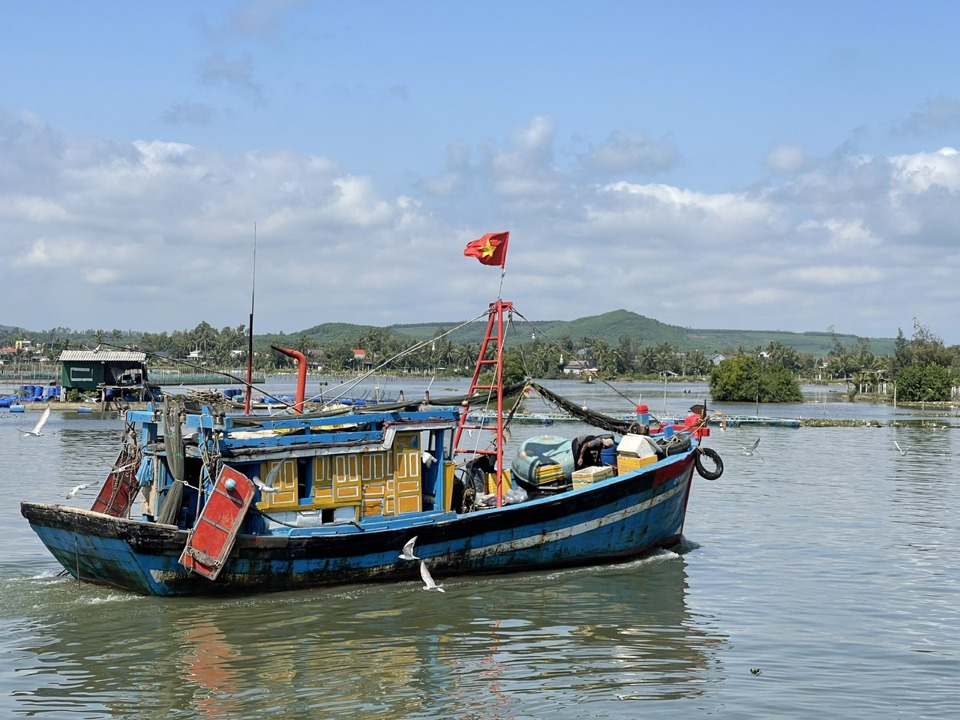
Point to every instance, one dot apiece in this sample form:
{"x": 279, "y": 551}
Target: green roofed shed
{"x": 91, "y": 369}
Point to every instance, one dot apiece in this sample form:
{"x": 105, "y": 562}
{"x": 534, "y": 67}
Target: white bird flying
{"x": 267, "y": 485}
{"x": 752, "y": 450}
{"x": 428, "y": 583}
{"x": 121, "y": 468}
{"x": 903, "y": 451}
{"x": 272, "y": 475}
{"x": 263, "y": 486}
{"x": 407, "y": 553}
{"x": 39, "y": 426}
{"x": 74, "y": 490}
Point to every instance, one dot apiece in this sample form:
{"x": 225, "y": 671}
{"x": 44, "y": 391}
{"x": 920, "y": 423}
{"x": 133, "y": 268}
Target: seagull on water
{"x": 903, "y": 451}
{"x": 428, "y": 583}
{"x": 752, "y": 450}
{"x": 39, "y": 426}
{"x": 74, "y": 490}
{"x": 407, "y": 553}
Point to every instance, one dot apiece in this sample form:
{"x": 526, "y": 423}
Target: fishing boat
{"x": 724, "y": 420}
{"x": 234, "y": 503}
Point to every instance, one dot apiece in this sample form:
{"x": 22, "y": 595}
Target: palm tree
{"x": 647, "y": 360}
{"x": 600, "y": 349}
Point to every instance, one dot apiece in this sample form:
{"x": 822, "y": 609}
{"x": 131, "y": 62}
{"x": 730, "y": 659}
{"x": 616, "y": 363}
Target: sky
{"x": 758, "y": 165}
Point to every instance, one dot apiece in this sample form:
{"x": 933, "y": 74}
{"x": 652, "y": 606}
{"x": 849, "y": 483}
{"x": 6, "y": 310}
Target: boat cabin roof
{"x": 252, "y": 432}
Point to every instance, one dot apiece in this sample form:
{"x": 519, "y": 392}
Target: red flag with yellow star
{"x": 491, "y": 249}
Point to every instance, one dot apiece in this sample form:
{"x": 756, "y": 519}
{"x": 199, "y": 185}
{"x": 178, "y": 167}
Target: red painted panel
{"x": 121, "y": 486}
{"x": 215, "y": 531}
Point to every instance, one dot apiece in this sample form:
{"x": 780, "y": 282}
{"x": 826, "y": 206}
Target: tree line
{"x": 921, "y": 367}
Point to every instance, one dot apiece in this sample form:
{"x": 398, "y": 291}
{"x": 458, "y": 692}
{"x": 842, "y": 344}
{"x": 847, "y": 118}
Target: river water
{"x": 820, "y": 578}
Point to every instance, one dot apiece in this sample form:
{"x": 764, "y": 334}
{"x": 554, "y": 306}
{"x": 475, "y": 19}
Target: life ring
{"x": 717, "y": 462}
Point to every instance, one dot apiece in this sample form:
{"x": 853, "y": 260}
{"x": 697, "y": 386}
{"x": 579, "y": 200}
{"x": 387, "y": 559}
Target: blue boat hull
{"x": 613, "y": 519}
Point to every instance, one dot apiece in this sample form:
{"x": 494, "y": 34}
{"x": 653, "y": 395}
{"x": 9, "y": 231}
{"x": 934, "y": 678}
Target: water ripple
{"x": 820, "y": 580}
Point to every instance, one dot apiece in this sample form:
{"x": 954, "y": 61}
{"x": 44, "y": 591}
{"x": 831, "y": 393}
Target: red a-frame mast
{"x": 495, "y": 329}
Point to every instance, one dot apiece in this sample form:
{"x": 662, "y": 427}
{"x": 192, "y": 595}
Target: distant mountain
{"x": 321, "y": 335}
{"x": 613, "y": 325}
{"x": 609, "y": 326}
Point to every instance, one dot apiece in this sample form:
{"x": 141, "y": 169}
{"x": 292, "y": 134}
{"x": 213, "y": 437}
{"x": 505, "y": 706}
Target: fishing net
{"x": 173, "y": 442}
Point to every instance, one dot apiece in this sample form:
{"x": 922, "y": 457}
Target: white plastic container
{"x": 639, "y": 446}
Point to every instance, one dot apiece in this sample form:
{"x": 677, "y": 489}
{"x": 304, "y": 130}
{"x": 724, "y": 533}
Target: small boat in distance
{"x": 719, "y": 418}
{"x": 235, "y": 503}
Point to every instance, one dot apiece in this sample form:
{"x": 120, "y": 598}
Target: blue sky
{"x": 754, "y": 165}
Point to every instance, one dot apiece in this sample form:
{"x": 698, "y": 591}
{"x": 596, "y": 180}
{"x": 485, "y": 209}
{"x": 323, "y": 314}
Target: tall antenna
{"x": 253, "y": 294}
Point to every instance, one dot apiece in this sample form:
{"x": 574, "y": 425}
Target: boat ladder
{"x": 493, "y": 345}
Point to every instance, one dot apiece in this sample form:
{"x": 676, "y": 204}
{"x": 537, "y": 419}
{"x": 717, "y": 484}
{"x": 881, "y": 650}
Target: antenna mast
{"x": 253, "y": 294}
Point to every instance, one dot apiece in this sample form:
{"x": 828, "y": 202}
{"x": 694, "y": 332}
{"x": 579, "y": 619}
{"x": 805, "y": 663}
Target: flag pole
{"x": 503, "y": 270}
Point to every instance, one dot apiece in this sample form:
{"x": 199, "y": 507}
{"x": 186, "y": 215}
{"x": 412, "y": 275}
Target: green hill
{"x": 320, "y": 335}
{"x": 613, "y": 325}
{"x": 610, "y": 327}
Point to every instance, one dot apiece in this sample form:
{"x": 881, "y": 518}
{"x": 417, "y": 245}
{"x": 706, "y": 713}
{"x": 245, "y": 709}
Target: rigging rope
{"x": 597, "y": 419}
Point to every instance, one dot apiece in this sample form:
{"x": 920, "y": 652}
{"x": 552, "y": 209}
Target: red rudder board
{"x": 215, "y": 531}
{"x": 121, "y": 486}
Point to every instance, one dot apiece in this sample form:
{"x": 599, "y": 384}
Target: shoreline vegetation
{"x": 839, "y": 390}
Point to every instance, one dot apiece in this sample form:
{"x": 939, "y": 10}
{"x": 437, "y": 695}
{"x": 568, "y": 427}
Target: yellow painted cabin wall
{"x": 376, "y": 483}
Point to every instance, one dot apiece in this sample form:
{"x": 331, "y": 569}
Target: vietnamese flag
{"x": 491, "y": 249}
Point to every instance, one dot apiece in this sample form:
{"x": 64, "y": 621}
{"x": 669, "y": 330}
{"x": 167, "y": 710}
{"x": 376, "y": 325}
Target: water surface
{"x": 819, "y": 578}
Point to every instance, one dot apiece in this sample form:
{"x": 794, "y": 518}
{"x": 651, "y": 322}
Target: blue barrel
{"x": 643, "y": 414}
{"x": 608, "y": 456}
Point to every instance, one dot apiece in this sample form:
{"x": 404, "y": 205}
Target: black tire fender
{"x": 714, "y": 457}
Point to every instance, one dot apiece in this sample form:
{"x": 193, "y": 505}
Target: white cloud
{"x": 841, "y": 236}
{"x": 787, "y": 159}
{"x": 527, "y": 171}
{"x": 263, "y": 18}
{"x": 628, "y": 152}
{"x": 117, "y": 223}
{"x": 682, "y": 215}
{"x": 103, "y": 275}
{"x": 190, "y": 113}
{"x": 920, "y": 171}
{"x": 941, "y": 113}
{"x": 836, "y": 275}
{"x": 356, "y": 203}
{"x": 237, "y": 74}
{"x": 30, "y": 209}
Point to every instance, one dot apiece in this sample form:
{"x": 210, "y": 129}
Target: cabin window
{"x": 304, "y": 482}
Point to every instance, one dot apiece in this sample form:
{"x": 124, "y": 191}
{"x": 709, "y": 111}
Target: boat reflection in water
{"x": 491, "y": 646}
